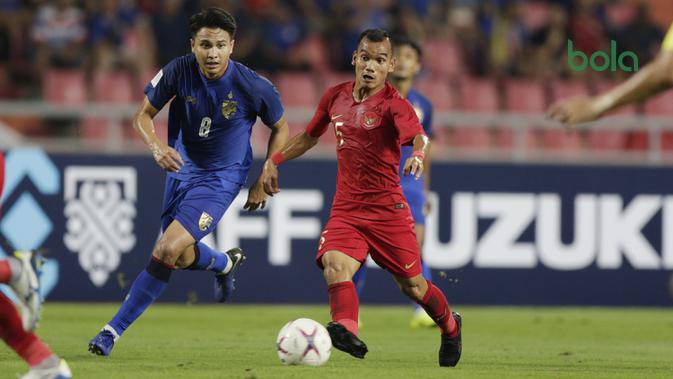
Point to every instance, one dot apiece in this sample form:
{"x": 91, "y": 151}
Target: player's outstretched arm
{"x": 297, "y": 146}
{"x": 650, "y": 80}
{"x": 279, "y": 135}
{"x": 165, "y": 156}
{"x": 414, "y": 164}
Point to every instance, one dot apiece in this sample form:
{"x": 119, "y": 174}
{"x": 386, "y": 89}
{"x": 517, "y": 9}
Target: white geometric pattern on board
{"x": 100, "y": 210}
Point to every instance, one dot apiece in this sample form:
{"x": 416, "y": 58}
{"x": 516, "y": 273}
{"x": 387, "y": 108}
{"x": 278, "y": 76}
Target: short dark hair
{"x": 212, "y": 18}
{"x": 374, "y": 35}
{"x": 402, "y": 40}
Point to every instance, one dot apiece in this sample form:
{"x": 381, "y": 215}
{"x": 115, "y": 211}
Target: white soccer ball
{"x": 303, "y": 342}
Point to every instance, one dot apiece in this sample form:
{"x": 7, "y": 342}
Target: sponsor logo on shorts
{"x": 399, "y": 206}
{"x": 410, "y": 265}
{"x": 205, "y": 221}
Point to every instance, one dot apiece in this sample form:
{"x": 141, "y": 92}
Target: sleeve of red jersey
{"x": 406, "y": 122}
{"x": 320, "y": 121}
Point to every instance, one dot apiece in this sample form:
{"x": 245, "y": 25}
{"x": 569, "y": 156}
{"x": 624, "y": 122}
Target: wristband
{"x": 418, "y": 153}
{"x": 277, "y": 158}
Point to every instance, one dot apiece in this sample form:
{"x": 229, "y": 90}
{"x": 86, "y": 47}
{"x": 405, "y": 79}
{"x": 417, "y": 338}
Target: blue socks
{"x": 209, "y": 259}
{"x": 152, "y": 282}
{"x": 147, "y": 287}
{"x": 359, "y": 279}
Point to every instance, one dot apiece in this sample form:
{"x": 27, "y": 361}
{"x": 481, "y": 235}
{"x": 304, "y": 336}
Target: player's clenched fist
{"x": 166, "y": 157}
{"x": 413, "y": 166}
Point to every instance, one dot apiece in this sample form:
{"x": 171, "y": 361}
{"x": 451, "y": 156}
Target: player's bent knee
{"x": 334, "y": 273}
{"x": 166, "y": 251}
{"x": 337, "y": 267}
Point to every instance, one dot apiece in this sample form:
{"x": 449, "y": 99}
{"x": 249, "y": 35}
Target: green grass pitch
{"x": 234, "y": 341}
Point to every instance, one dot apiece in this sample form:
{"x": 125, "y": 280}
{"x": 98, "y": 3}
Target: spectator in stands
{"x": 473, "y": 45}
{"x": 548, "y": 44}
{"x": 651, "y": 79}
{"x": 168, "y": 25}
{"x": 282, "y": 32}
{"x": 59, "y": 34}
{"x": 119, "y": 39}
{"x": 639, "y": 35}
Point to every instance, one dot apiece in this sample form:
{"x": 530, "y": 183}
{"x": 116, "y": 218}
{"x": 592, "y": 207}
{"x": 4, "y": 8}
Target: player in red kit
{"x": 369, "y": 213}
{"x": 16, "y": 328}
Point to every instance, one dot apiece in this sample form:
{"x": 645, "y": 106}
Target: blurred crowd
{"x": 479, "y": 55}
{"x": 483, "y": 37}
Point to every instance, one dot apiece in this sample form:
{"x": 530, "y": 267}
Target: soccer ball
{"x": 303, "y": 342}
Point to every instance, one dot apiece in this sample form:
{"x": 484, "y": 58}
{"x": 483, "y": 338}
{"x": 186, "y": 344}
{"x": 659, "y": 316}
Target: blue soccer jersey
{"x": 413, "y": 189}
{"x": 210, "y": 121}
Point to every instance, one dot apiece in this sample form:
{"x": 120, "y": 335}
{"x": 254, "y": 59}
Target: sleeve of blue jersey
{"x": 427, "y": 118}
{"x": 161, "y": 88}
{"x": 268, "y": 105}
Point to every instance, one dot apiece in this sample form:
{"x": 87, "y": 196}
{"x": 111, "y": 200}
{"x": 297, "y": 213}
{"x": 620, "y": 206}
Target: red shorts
{"x": 390, "y": 240}
{"x": 2, "y": 176}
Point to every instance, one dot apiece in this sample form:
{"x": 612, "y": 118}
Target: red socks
{"x": 26, "y": 345}
{"x": 5, "y": 271}
{"x": 435, "y": 304}
{"x": 343, "y": 304}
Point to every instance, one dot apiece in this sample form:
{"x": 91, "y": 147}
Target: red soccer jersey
{"x": 2, "y": 178}
{"x": 369, "y": 135}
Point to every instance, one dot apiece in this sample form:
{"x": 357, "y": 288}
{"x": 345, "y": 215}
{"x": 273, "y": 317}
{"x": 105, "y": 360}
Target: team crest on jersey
{"x": 371, "y": 120}
{"x": 205, "y": 221}
{"x": 229, "y": 107}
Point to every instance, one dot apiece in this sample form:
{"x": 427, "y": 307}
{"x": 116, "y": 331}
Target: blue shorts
{"x": 415, "y": 195}
{"x": 198, "y": 205}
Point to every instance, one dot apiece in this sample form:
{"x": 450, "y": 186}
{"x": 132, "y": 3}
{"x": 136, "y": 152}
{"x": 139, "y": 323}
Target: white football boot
{"x": 26, "y": 287}
{"x": 62, "y": 371}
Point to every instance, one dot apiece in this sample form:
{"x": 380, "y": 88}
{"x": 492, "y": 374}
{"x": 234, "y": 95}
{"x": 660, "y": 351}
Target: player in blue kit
{"x": 215, "y": 103}
{"x": 408, "y": 53}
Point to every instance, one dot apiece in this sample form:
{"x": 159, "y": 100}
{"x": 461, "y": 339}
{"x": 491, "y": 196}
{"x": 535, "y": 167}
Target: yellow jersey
{"x": 668, "y": 40}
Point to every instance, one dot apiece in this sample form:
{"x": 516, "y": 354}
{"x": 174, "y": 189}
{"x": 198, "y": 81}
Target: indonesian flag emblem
{"x": 371, "y": 120}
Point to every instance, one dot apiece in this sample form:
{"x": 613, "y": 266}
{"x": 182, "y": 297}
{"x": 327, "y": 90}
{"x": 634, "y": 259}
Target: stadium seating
{"x": 314, "y": 50}
{"x": 442, "y": 58}
{"x": 113, "y": 87}
{"x": 525, "y": 96}
{"x": 297, "y": 89}
{"x": 562, "y": 89}
{"x": 64, "y": 87}
{"x": 333, "y": 78}
{"x": 476, "y": 95}
{"x": 662, "y": 106}
{"x": 562, "y": 139}
{"x": 614, "y": 139}
{"x": 437, "y": 91}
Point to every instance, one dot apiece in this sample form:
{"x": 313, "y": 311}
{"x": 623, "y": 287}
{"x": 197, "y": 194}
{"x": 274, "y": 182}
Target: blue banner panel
{"x": 497, "y": 233}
